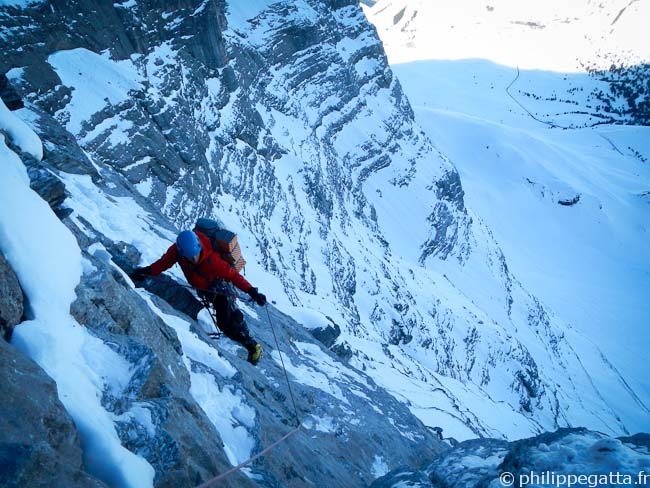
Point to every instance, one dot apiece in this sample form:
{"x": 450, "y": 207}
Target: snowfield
{"x": 569, "y": 208}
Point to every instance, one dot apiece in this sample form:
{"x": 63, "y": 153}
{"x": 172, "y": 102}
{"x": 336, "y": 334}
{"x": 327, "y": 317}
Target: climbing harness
{"x": 213, "y": 315}
{"x": 234, "y": 469}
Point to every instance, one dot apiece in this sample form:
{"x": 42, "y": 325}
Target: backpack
{"x": 223, "y": 241}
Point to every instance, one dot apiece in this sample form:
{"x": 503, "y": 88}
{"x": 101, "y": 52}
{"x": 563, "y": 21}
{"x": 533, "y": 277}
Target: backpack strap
{"x": 197, "y": 270}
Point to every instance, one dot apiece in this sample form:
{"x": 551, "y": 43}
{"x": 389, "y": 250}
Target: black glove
{"x": 141, "y": 273}
{"x": 257, "y": 296}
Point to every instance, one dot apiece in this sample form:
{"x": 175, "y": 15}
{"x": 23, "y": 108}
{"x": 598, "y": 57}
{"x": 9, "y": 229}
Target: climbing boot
{"x": 255, "y": 354}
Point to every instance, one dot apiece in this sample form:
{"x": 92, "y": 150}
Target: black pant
{"x": 230, "y": 321}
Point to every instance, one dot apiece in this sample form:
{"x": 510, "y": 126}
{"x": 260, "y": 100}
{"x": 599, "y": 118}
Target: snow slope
{"x": 81, "y": 364}
{"x": 569, "y": 208}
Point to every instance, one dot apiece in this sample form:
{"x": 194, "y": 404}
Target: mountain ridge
{"x": 291, "y": 123}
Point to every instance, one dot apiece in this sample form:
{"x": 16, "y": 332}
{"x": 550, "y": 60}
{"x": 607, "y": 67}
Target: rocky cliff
{"x": 284, "y": 120}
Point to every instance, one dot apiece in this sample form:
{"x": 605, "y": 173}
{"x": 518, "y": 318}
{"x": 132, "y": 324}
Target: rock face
{"x": 182, "y": 444}
{"x": 11, "y": 299}
{"x": 481, "y": 463}
{"x": 38, "y": 440}
{"x": 286, "y": 122}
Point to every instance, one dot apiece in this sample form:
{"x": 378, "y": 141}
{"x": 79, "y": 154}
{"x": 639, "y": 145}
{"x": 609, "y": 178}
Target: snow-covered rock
{"x": 39, "y": 445}
{"x": 563, "y": 458}
{"x": 557, "y": 174}
{"x": 154, "y": 399}
{"x": 284, "y": 120}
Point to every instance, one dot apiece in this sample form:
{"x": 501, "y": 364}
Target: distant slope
{"x": 568, "y": 207}
{"x": 554, "y": 35}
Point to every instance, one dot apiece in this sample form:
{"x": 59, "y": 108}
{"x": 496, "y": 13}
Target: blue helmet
{"x": 188, "y": 244}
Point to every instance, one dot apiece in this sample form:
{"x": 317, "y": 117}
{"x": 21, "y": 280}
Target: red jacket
{"x": 209, "y": 268}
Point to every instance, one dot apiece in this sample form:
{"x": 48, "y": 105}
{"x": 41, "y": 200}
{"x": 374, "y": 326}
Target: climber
{"x": 207, "y": 272}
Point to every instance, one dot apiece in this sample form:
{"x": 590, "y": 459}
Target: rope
{"x": 249, "y": 461}
{"x": 234, "y": 469}
{"x": 286, "y": 376}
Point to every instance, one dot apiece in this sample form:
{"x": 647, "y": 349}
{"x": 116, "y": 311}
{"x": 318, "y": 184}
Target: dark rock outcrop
{"x": 483, "y": 463}
{"x": 39, "y": 446}
{"x": 569, "y": 202}
{"x": 8, "y": 95}
{"x": 640, "y": 440}
{"x": 49, "y": 187}
{"x": 11, "y": 299}
{"x": 326, "y": 335}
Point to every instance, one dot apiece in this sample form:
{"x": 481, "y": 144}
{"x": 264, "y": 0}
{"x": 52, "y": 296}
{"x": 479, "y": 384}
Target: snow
{"x": 239, "y": 13}
{"x": 118, "y": 218}
{"x": 366, "y": 66}
{"x": 554, "y": 35}
{"x": 135, "y": 164}
{"x": 230, "y": 415}
{"x": 214, "y": 86}
{"x": 145, "y": 186}
{"x": 20, "y": 134}
{"x": 126, "y": 4}
{"x": 82, "y": 365}
{"x": 96, "y": 81}
{"x": 379, "y": 467}
{"x": 200, "y": 8}
{"x": 308, "y": 318}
